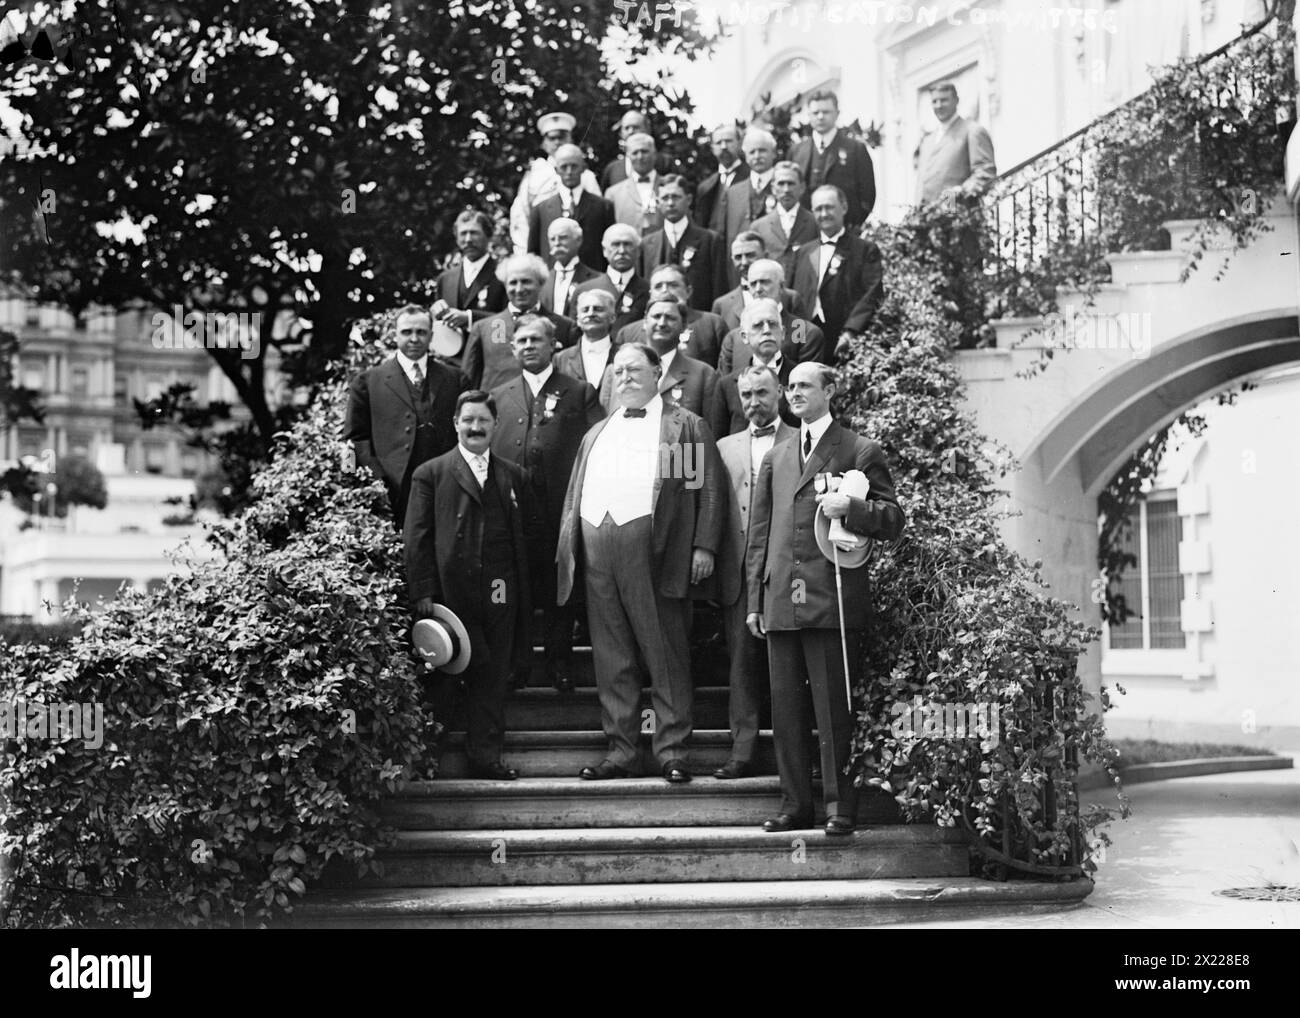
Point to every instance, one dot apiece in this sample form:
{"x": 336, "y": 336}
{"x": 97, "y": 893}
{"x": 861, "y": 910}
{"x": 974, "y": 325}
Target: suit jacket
{"x": 626, "y": 198}
{"x": 489, "y": 361}
{"x": 705, "y": 343}
{"x": 380, "y": 418}
{"x": 711, "y": 201}
{"x": 781, "y": 553}
{"x": 702, "y": 256}
{"x": 543, "y": 440}
{"x": 849, "y": 169}
{"x": 803, "y": 342}
{"x": 780, "y": 245}
{"x": 595, "y": 215}
{"x": 569, "y": 362}
{"x": 615, "y": 171}
{"x": 697, "y": 381}
{"x": 729, "y": 306}
{"x": 688, "y": 510}
{"x": 629, "y": 304}
{"x": 581, "y": 274}
{"x": 961, "y": 156}
{"x": 486, "y": 297}
{"x": 444, "y": 538}
{"x": 744, "y": 205}
{"x": 734, "y": 450}
{"x": 850, "y": 293}
{"x": 729, "y": 416}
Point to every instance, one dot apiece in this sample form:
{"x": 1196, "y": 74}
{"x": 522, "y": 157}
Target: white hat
{"x": 834, "y": 540}
{"x": 555, "y": 122}
{"x": 442, "y": 641}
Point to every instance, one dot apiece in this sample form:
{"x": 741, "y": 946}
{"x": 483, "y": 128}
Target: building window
{"x": 155, "y": 459}
{"x": 189, "y": 464}
{"x": 80, "y": 381}
{"x": 1153, "y": 589}
{"x": 33, "y": 375}
{"x": 120, "y": 388}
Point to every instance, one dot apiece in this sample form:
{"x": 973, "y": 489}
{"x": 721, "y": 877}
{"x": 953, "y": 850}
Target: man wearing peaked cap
{"x": 542, "y": 180}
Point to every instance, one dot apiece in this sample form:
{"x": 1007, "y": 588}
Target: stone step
{"x": 562, "y": 754}
{"x": 451, "y": 805}
{"x": 747, "y": 904}
{"x": 532, "y": 710}
{"x": 644, "y": 855}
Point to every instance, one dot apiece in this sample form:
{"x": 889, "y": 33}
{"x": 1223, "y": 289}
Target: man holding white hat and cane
{"x": 820, "y": 499}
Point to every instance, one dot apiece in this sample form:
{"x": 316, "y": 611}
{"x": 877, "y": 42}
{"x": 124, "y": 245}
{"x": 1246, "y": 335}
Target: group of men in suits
{"x": 533, "y": 494}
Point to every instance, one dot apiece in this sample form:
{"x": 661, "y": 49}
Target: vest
{"x": 820, "y": 165}
{"x": 424, "y": 447}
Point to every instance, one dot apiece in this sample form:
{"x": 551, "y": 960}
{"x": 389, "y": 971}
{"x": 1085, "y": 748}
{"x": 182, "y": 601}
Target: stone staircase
{"x": 552, "y": 850}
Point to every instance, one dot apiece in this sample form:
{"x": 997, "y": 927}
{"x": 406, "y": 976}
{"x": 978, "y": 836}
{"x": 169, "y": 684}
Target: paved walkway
{"x": 1186, "y": 839}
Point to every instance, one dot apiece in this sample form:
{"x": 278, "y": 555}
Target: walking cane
{"x": 844, "y": 643}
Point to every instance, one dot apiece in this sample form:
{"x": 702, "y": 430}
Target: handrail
{"x": 1202, "y": 59}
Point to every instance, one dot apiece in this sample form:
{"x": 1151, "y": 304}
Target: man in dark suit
{"x": 399, "y": 413}
{"x": 644, "y": 515}
{"x": 621, "y": 244}
{"x": 593, "y": 215}
{"x": 567, "y": 273}
{"x": 792, "y": 594}
{"x": 470, "y": 290}
{"x": 831, "y": 157}
{"x": 747, "y": 249}
{"x": 594, "y": 352}
{"x": 489, "y": 360}
{"x": 764, "y": 336}
{"x": 742, "y": 453}
{"x": 466, "y": 548}
{"x": 542, "y": 418}
{"x": 703, "y": 332}
{"x": 700, "y": 252}
{"x": 801, "y": 340}
{"x": 840, "y": 276}
{"x": 789, "y": 225}
{"x": 683, "y": 380}
{"x": 711, "y": 195}
{"x": 751, "y": 198}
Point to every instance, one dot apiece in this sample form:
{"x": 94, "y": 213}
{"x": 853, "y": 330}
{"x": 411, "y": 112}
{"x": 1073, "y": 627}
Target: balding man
{"x": 541, "y": 180}
{"x": 832, "y": 157}
{"x": 621, "y": 245}
{"x": 595, "y": 351}
{"x": 618, "y": 170}
{"x": 593, "y": 214}
{"x": 634, "y": 198}
{"x": 751, "y": 198}
{"x": 700, "y": 252}
{"x": 711, "y": 195}
{"x": 567, "y": 272}
{"x": 702, "y": 331}
{"x": 489, "y": 360}
{"x": 839, "y": 277}
{"x": 747, "y": 250}
{"x": 763, "y": 336}
{"x": 802, "y": 341}
{"x": 792, "y": 594}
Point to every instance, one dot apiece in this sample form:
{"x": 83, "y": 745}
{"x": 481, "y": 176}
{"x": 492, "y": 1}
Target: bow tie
{"x": 634, "y": 413}
{"x": 828, "y": 243}
{"x": 763, "y": 432}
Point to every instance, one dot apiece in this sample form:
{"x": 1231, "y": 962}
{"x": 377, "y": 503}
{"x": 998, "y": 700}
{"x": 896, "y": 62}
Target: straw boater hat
{"x": 442, "y": 642}
{"x": 854, "y": 549}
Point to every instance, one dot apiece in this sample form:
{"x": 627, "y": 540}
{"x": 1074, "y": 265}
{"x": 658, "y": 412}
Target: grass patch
{"x": 1146, "y": 751}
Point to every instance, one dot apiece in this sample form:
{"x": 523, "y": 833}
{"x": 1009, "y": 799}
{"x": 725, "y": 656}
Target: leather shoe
{"x": 496, "y": 771}
{"x": 734, "y": 769}
{"x": 560, "y": 678}
{"x": 676, "y": 773}
{"x": 839, "y": 826}
{"x": 603, "y": 772}
{"x": 786, "y": 822}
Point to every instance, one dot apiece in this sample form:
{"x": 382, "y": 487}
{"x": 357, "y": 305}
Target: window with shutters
{"x": 1153, "y": 589}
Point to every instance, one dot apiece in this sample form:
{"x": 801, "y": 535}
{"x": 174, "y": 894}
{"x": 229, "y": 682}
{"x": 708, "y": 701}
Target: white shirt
{"x": 727, "y": 177}
{"x": 822, "y": 141}
{"x": 646, "y": 190}
{"x": 570, "y": 199}
{"x": 536, "y": 381}
{"x": 817, "y": 428}
{"x": 787, "y": 218}
{"x": 674, "y": 231}
{"x": 622, "y": 467}
{"x": 758, "y": 181}
{"x": 760, "y": 446}
{"x": 471, "y": 269}
{"x": 409, "y": 366}
{"x": 595, "y": 357}
{"x": 619, "y": 279}
{"x": 563, "y": 283}
{"x": 478, "y": 463}
{"x": 666, "y": 359}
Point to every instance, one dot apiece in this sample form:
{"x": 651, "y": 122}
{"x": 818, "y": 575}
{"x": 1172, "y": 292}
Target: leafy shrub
{"x": 255, "y": 710}
{"x": 57, "y": 634}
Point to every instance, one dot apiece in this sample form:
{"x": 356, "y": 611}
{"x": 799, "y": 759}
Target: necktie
{"x": 634, "y": 413}
{"x": 417, "y": 376}
{"x": 807, "y": 445}
{"x": 763, "y": 432}
{"x": 480, "y": 470}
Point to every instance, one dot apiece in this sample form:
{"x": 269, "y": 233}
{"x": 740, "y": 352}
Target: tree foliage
{"x": 76, "y": 481}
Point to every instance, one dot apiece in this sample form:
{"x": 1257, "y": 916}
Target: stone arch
{"x": 791, "y": 72}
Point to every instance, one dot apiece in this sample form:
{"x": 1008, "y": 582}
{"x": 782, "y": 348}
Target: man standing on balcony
{"x": 958, "y": 157}
{"x": 832, "y": 157}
